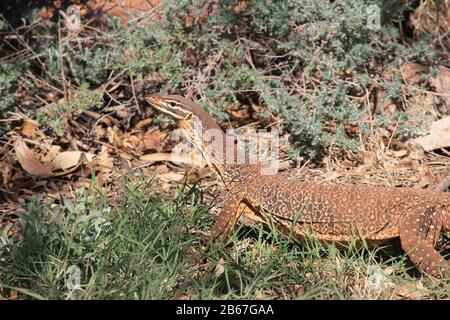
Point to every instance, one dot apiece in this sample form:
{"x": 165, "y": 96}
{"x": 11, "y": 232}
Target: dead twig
{"x": 61, "y": 62}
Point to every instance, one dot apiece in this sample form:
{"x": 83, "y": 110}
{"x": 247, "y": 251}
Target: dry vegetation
{"x": 85, "y": 177}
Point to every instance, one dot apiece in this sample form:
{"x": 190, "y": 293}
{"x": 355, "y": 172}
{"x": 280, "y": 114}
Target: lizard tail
{"x": 418, "y": 237}
{"x": 446, "y": 214}
{"x": 446, "y": 219}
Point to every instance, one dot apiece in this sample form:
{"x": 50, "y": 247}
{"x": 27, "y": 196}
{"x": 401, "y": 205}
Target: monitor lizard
{"x": 328, "y": 212}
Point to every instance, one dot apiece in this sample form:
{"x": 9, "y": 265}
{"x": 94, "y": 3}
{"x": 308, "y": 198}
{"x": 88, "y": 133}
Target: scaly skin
{"x": 328, "y": 212}
{"x": 341, "y": 213}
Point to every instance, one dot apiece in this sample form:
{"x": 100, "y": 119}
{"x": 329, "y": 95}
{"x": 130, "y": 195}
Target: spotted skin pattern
{"x": 342, "y": 213}
{"x": 328, "y": 212}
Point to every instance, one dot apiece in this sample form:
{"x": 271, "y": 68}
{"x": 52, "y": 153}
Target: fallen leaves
{"x": 442, "y": 85}
{"x": 385, "y": 161}
{"x": 413, "y": 72}
{"x": 29, "y": 161}
{"x": 69, "y": 159}
{"x": 438, "y": 136}
{"x": 413, "y": 290}
{"x": 28, "y": 129}
{"x": 66, "y": 161}
{"x": 151, "y": 140}
{"x": 91, "y": 146}
{"x": 219, "y": 269}
{"x": 432, "y": 18}
{"x": 175, "y": 158}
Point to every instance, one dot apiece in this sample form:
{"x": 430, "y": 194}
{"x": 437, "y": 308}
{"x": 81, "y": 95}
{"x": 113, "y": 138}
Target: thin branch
{"x": 61, "y": 62}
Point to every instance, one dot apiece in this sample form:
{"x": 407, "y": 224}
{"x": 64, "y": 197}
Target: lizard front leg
{"x": 228, "y": 217}
{"x": 419, "y": 233}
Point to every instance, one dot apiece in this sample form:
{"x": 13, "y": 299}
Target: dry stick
{"x": 134, "y": 94}
{"x": 369, "y": 110}
{"x": 110, "y": 81}
{"x": 16, "y": 37}
{"x": 61, "y": 62}
{"x": 42, "y": 100}
{"x": 112, "y": 99}
{"x": 131, "y": 153}
{"x": 72, "y": 33}
{"x": 145, "y": 14}
{"x": 428, "y": 92}
{"x": 395, "y": 130}
{"x": 25, "y": 44}
{"x": 40, "y": 81}
{"x": 16, "y": 54}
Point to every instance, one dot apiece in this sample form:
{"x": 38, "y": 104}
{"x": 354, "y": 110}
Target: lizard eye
{"x": 173, "y": 103}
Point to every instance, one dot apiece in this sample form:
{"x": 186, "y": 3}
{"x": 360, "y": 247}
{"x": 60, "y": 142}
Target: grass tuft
{"x": 153, "y": 248}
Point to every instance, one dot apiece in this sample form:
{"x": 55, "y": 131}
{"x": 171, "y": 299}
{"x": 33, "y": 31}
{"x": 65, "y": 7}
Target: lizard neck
{"x": 216, "y": 148}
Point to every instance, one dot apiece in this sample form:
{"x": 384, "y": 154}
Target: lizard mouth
{"x": 165, "y": 107}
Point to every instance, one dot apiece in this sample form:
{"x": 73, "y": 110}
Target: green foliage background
{"x": 305, "y": 61}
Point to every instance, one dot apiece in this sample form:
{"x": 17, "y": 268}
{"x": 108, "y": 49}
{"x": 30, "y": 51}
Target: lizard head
{"x": 208, "y": 138}
{"x": 205, "y": 134}
{"x": 185, "y": 112}
{"x": 176, "y": 107}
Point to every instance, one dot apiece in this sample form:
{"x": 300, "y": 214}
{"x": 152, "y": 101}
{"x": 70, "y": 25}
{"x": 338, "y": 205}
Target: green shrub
{"x": 307, "y": 62}
{"x": 53, "y": 114}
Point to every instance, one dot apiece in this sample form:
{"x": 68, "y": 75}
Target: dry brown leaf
{"x": 68, "y": 159}
{"x": 405, "y": 163}
{"x": 171, "y": 176}
{"x": 442, "y": 85}
{"x": 175, "y": 158}
{"x": 219, "y": 268}
{"x": 100, "y": 132}
{"x": 388, "y": 271}
{"x": 152, "y": 139}
{"x": 238, "y": 112}
{"x": 412, "y": 71}
{"x": 29, "y": 161}
{"x": 400, "y": 153}
{"x": 13, "y": 295}
{"x": 123, "y": 9}
{"x": 417, "y": 154}
{"x": 241, "y": 6}
{"x": 131, "y": 141}
{"x": 143, "y": 123}
{"x": 433, "y": 18}
{"x": 300, "y": 290}
{"x": 115, "y": 136}
{"x": 413, "y": 290}
{"x": 106, "y": 119}
{"x": 105, "y": 164}
{"x": 28, "y": 129}
{"x": 438, "y": 137}
{"x": 5, "y": 171}
{"x": 368, "y": 157}
{"x": 168, "y": 179}
{"x": 383, "y": 104}
{"x": 104, "y": 159}
{"x": 52, "y": 152}
{"x": 346, "y": 164}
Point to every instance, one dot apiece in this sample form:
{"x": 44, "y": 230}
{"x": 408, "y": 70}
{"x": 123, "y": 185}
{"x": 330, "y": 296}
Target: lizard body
{"x": 328, "y": 212}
